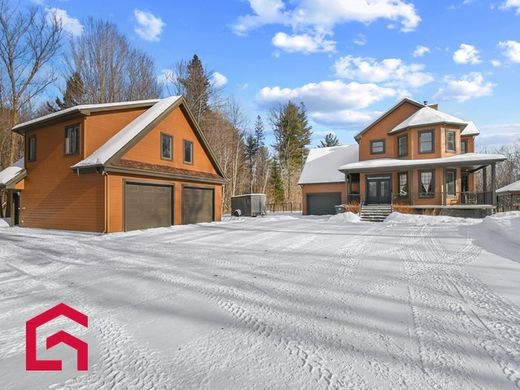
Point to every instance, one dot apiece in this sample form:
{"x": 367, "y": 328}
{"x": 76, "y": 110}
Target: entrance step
{"x": 375, "y": 213}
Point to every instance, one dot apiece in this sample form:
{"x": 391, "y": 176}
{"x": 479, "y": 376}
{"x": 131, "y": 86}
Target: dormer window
{"x": 377, "y": 147}
{"x": 464, "y": 146}
{"x": 72, "y": 139}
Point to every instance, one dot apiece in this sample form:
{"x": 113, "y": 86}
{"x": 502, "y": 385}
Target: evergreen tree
{"x": 195, "y": 86}
{"x": 259, "y": 131}
{"x": 276, "y": 183}
{"x": 251, "y": 149}
{"x": 292, "y": 135}
{"x": 329, "y": 140}
{"x": 74, "y": 94}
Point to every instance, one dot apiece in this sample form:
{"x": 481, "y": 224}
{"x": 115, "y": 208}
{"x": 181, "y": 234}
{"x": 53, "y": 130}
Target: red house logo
{"x": 32, "y": 363}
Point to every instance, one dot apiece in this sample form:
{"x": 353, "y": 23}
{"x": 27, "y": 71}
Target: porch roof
{"x": 473, "y": 160}
{"x": 511, "y": 188}
{"x": 12, "y": 174}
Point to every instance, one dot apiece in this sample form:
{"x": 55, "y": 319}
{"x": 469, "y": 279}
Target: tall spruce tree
{"x": 195, "y": 85}
{"x": 74, "y": 94}
{"x": 276, "y": 183}
{"x": 292, "y": 134}
{"x": 329, "y": 140}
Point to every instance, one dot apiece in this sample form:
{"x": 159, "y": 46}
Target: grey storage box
{"x": 250, "y": 205}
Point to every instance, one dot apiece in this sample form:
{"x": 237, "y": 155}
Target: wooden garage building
{"x": 118, "y": 167}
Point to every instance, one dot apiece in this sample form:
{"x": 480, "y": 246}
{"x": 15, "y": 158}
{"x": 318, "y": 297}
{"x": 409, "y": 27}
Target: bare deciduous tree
{"x": 29, "y": 41}
{"x": 110, "y": 69}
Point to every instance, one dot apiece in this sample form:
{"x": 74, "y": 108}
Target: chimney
{"x": 425, "y": 102}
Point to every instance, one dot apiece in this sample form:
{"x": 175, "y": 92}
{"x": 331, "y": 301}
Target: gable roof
{"x": 427, "y": 116}
{"x": 470, "y": 129}
{"x": 12, "y": 174}
{"x": 83, "y": 109}
{"x": 513, "y": 187}
{"x": 136, "y": 129}
{"x": 321, "y": 165}
{"x": 399, "y": 104}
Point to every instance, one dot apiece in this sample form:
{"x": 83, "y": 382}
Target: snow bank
{"x": 506, "y": 225}
{"x": 347, "y": 217}
{"x": 4, "y": 222}
{"x": 416, "y": 219}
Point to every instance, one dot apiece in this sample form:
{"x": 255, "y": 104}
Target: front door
{"x": 378, "y": 190}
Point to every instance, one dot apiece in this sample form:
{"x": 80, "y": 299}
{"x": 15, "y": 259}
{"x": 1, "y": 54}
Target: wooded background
{"x": 101, "y": 66}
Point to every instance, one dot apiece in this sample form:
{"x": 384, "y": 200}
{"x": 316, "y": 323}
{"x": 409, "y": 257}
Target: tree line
{"x": 102, "y": 66}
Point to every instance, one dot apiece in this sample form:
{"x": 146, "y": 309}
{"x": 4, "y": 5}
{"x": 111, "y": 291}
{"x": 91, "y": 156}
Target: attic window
{"x": 166, "y": 147}
{"x": 31, "y": 148}
{"x": 72, "y": 140}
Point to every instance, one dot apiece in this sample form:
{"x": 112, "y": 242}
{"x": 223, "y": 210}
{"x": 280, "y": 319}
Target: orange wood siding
{"x": 322, "y": 187}
{"x": 380, "y": 131}
{"x": 148, "y": 149}
{"x": 101, "y": 126}
{"x": 471, "y": 143}
{"x": 54, "y": 196}
{"x": 115, "y": 199}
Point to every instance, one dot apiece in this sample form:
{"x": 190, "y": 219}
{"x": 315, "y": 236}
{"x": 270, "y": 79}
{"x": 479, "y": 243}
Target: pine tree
{"x": 251, "y": 149}
{"x": 276, "y": 183}
{"x": 196, "y": 87}
{"x": 292, "y": 135}
{"x": 329, "y": 140}
{"x": 74, "y": 94}
{"x": 259, "y": 131}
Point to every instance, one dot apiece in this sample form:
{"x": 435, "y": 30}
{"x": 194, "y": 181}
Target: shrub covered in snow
{"x": 416, "y": 219}
{"x": 347, "y": 217}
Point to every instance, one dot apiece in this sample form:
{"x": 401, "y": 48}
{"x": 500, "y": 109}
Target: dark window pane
{"x": 450, "y": 141}
{"x": 188, "y": 152}
{"x": 426, "y": 142}
{"x": 402, "y": 146}
{"x": 377, "y": 147}
{"x": 464, "y": 146}
{"x": 166, "y": 147}
{"x": 72, "y": 140}
{"x": 450, "y": 182}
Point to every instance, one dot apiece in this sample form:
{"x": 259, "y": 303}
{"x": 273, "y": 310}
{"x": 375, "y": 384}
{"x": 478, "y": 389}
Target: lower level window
{"x": 426, "y": 184}
{"x": 451, "y": 175}
{"x": 403, "y": 184}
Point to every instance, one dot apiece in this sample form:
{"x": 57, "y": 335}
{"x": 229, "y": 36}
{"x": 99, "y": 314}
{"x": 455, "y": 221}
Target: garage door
{"x": 148, "y": 206}
{"x": 323, "y": 203}
{"x": 197, "y": 205}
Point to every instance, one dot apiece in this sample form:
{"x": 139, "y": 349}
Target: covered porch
{"x": 425, "y": 184}
{"x": 11, "y": 186}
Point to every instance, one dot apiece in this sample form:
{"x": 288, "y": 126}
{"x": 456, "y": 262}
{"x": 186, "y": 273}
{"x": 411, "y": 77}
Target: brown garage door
{"x": 197, "y": 205}
{"x": 147, "y": 206}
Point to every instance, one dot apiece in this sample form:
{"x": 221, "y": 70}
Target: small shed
{"x": 509, "y": 197}
{"x": 250, "y": 205}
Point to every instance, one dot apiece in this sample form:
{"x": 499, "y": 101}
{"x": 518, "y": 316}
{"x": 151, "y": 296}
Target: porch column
{"x": 10, "y": 195}
{"x": 493, "y": 183}
{"x": 347, "y": 186}
{"x": 411, "y": 187}
{"x": 484, "y": 179}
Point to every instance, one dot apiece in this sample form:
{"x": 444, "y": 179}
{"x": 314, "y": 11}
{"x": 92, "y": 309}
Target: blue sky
{"x": 348, "y": 61}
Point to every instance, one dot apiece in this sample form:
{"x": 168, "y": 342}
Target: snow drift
{"x": 347, "y": 217}
{"x": 506, "y": 225}
{"x": 4, "y": 222}
{"x": 416, "y": 219}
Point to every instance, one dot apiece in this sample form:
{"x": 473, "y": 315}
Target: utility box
{"x": 250, "y": 205}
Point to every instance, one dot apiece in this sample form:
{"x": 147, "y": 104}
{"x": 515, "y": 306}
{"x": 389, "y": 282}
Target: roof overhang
{"x": 470, "y": 160}
{"x": 442, "y": 123}
{"x": 11, "y": 183}
{"x": 79, "y": 111}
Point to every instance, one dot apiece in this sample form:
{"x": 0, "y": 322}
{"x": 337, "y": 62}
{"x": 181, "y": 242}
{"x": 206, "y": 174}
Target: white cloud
{"x": 496, "y": 63}
{"x": 499, "y": 134}
{"x": 392, "y": 71}
{"x": 470, "y": 86}
{"x": 511, "y": 50}
{"x": 149, "y": 27}
{"x": 512, "y": 4}
{"x": 218, "y": 80}
{"x": 327, "y": 96}
{"x": 466, "y": 54}
{"x": 303, "y": 43}
{"x": 420, "y": 51}
{"x": 69, "y": 24}
{"x": 360, "y": 40}
{"x": 167, "y": 76}
{"x": 344, "y": 117}
{"x": 317, "y": 18}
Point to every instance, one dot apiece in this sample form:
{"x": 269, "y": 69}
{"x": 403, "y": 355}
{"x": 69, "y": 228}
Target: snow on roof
{"x": 322, "y": 164}
{"x": 86, "y": 108}
{"x": 513, "y": 187}
{"x": 127, "y": 134}
{"x": 11, "y": 172}
{"x": 470, "y": 129}
{"x": 427, "y": 116}
{"x": 392, "y": 163}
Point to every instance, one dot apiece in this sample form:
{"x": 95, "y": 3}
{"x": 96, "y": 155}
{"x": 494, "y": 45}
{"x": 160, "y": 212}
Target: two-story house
{"x": 114, "y": 167}
{"x": 417, "y": 156}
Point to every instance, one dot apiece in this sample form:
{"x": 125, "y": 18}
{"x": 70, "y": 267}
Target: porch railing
{"x": 440, "y": 198}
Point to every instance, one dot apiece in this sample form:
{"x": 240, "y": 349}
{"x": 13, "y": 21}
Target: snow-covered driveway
{"x": 267, "y": 303}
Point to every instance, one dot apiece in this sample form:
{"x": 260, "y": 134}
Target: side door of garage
{"x": 323, "y": 203}
{"x": 147, "y": 205}
{"x": 198, "y": 205}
